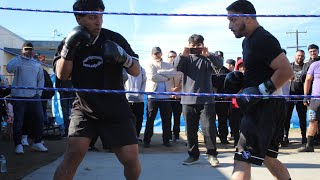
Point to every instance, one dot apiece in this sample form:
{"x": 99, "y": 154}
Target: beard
{"x": 239, "y": 32}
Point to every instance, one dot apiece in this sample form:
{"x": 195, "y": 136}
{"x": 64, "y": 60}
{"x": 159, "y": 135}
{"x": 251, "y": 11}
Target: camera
{"x": 196, "y": 51}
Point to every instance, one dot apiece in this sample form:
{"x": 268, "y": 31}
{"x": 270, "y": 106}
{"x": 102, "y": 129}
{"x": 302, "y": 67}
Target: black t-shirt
{"x": 91, "y": 71}
{"x": 218, "y": 77}
{"x": 259, "y": 50}
{"x": 296, "y": 85}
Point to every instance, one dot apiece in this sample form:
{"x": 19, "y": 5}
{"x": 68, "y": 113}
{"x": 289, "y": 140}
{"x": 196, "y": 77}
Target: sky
{"x": 168, "y": 32}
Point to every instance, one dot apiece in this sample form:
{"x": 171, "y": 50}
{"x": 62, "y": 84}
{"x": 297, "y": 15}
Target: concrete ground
{"x": 159, "y": 162}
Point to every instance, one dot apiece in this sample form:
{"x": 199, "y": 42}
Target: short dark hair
{"x": 242, "y": 6}
{"x": 300, "y": 50}
{"x": 313, "y": 46}
{"x": 87, "y": 5}
{"x": 27, "y": 44}
{"x": 172, "y": 52}
{"x": 196, "y": 39}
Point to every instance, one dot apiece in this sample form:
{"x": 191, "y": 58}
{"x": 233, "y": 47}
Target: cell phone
{"x": 196, "y": 51}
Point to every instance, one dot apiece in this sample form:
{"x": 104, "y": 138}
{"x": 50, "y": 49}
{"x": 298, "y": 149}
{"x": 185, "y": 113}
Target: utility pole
{"x": 297, "y": 39}
{"x": 56, "y": 33}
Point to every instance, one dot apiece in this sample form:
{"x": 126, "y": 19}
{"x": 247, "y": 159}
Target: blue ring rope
{"x": 162, "y": 93}
{"x": 155, "y": 14}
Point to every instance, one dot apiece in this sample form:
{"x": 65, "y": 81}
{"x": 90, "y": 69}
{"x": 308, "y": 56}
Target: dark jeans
{"x": 176, "y": 111}
{"x": 44, "y": 107}
{"x": 137, "y": 109}
{"x": 165, "y": 114}
{"x": 235, "y": 119}
{"x": 19, "y": 109}
{"x": 205, "y": 113}
{"x": 222, "y": 110}
{"x": 66, "y": 105}
{"x": 302, "y": 114}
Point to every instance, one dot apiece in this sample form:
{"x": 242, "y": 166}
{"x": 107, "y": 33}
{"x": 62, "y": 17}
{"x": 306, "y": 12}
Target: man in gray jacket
{"x": 197, "y": 67}
{"x": 28, "y": 73}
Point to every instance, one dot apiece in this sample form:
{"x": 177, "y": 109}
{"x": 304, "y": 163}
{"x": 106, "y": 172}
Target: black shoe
{"x": 190, "y": 160}
{"x": 224, "y": 141}
{"x": 167, "y": 144}
{"x": 175, "y": 139}
{"x": 146, "y": 145}
{"x": 284, "y": 143}
{"x": 140, "y": 140}
{"x": 306, "y": 149}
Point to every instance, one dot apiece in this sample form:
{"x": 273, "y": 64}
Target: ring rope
{"x": 163, "y": 93}
{"x": 157, "y": 14}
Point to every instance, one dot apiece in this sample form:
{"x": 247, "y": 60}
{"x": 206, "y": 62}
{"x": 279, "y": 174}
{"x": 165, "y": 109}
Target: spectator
{"x": 296, "y": 88}
{"x": 136, "y": 100}
{"x": 66, "y": 99}
{"x": 3, "y": 92}
{"x": 158, "y": 82}
{"x": 197, "y": 78}
{"x": 46, "y": 95}
{"x": 313, "y": 50}
{"x": 175, "y": 86}
{"x": 27, "y": 73}
{"x": 222, "y": 108}
{"x": 230, "y": 64}
{"x": 312, "y": 79}
{"x": 235, "y": 113}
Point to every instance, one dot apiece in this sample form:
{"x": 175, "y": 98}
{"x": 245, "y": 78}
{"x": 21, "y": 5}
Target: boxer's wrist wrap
{"x": 267, "y": 88}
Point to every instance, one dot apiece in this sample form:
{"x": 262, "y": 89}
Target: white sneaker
{"x": 19, "y": 149}
{"x": 39, "y": 147}
{"x": 24, "y": 140}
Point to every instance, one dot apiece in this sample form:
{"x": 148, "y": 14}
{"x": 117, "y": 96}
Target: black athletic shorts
{"x": 116, "y": 129}
{"x": 261, "y": 130}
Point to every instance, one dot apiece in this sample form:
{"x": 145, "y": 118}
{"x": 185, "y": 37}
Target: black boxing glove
{"x": 79, "y": 36}
{"x": 246, "y": 102}
{"x": 233, "y": 82}
{"x": 114, "y": 54}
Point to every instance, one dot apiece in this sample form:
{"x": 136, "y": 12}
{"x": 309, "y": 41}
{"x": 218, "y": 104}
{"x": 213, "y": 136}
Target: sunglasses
{"x": 28, "y": 49}
{"x": 172, "y": 56}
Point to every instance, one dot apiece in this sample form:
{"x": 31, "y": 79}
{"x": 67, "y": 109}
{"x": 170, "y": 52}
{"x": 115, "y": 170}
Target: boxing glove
{"x": 233, "y": 82}
{"x": 247, "y": 102}
{"x": 114, "y": 54}
{"x": 79, "y": 36}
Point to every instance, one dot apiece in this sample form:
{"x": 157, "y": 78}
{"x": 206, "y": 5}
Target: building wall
{"x": 11, "y": 40}
{"x": 8, "y": 39}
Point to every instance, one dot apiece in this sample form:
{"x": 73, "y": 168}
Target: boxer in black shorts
{"x": 94, "y": 58}
{"x": 266, "y": 70}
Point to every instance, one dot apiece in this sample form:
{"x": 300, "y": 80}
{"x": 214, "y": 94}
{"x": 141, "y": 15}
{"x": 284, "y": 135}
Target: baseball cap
{"x": 231, "y": 61}
{"x": 156, "y": 50}
{"x": 219, "y": 53}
